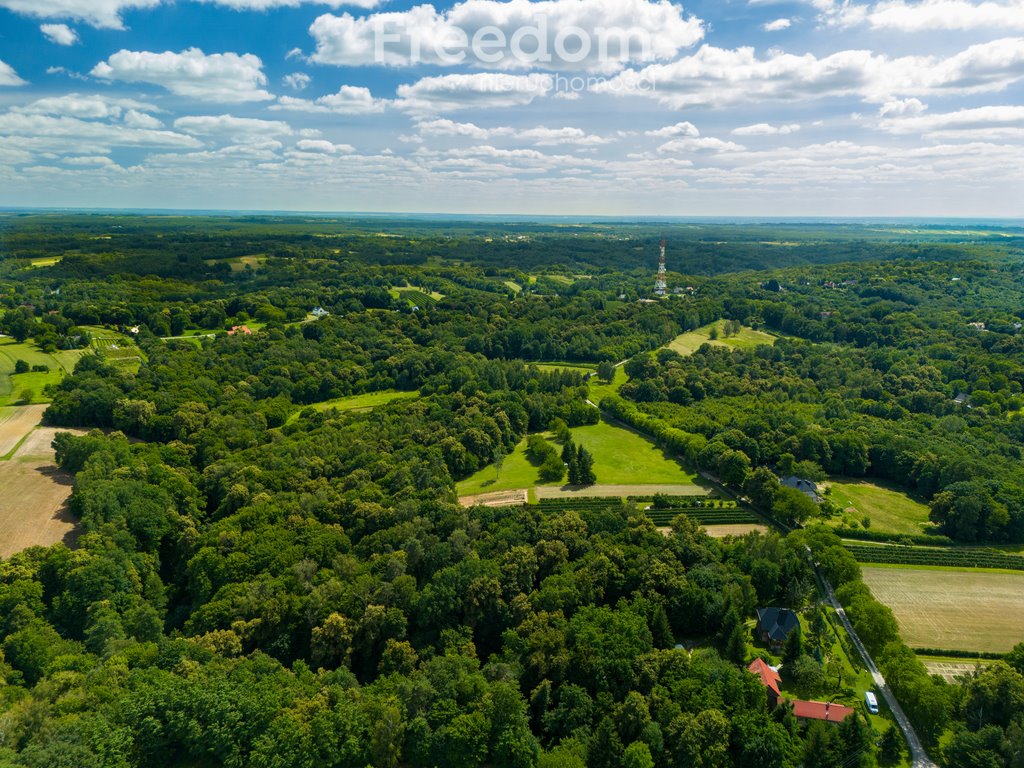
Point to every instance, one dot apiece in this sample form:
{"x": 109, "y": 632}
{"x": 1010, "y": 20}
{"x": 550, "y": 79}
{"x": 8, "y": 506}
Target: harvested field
{"x": 15, "y": 423}
{"x": 33, "y": 506}
{"x": 565, "y": 492}
{"x": 496, "y": 499}
{"x": 958, "y": 610}
{"x": 733, "y": 529}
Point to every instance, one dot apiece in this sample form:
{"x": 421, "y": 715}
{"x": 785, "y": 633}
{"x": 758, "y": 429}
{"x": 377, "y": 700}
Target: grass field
{"x": 958, "y": 610}
{"x": 361, "y": 402}
{"x": 890, "y": 509}
{"x": 621, "y": 457}
{"x": 599, "y": 388}
{"x": 12, "y": 384}
{"x": 690, "y": 342}
{"x": 577, "y": 367}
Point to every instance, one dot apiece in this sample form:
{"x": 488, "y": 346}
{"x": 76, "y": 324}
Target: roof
{"x": 821, "y": 710}
{"x": 801, "y": 484}
{"x": 769, "y": 677}
{"x": 777, "y": 622}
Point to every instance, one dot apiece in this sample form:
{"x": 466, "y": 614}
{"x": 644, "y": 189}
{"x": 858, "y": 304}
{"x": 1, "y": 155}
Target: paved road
{"x": 918, "y": 755}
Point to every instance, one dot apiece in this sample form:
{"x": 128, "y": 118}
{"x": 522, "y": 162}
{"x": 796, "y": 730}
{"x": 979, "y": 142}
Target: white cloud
{"x": 898, "y": 107}
{"x": 8, "y": 76}
{"x": 60, "y": 34}
{"x": 571, "y": 35}
{"x": 135, "y": 119}
{"x": 238, "y": 128}
{"x": 266, "y": 5}
{"x": 221, "y": 77}
{"x": 297, "y": 81}
{"x": 703, "y": 144}
{"x": 55, "y": 133}
{"x": 88, "y": 106}
{"x": 98, "y": 13}
{"x": 349, "y": 100}
{"x": 766, "y": 129}
{"x": 320, "y": 145}
{"x": 482, "y": 90}
{"x": 989, "y": 121}
{"x": 721, "y": 77}
{"x": 541, "y": 136}
{"x": 959, "y": 15}
{"x": 88, "y": 160}
{"x": 679, "y": 129}
{"x": 776, "y": 26}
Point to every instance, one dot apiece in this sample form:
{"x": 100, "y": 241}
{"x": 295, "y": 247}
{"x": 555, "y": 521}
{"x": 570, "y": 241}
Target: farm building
{"x": 774, "y": 626}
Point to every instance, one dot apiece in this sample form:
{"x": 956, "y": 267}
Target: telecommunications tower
{"x": 660, "y": 284}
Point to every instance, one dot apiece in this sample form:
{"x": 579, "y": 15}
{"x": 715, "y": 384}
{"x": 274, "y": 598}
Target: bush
{"x": 20, "y": 366}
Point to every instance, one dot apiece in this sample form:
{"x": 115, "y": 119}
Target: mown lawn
{"x": 600, "y": 388}
{"x": 690, "y": 342}
{"x": 621, "y": 457}
{"x": 889, "y": 509}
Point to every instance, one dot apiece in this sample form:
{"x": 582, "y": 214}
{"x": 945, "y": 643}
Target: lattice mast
{"x": 660, "y": 283}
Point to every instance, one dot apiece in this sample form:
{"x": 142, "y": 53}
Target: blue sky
{"x": 638, "y": 107}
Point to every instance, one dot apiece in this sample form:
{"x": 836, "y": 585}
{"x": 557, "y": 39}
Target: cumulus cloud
{"x": 720, "y": 77}
{"x": 776, "y": 26}
{"x": 136, "y": 119}
{"x": 570, "y": 35}
{"x": 898, "y": 107}
{"x": 481, "y": 90}
{"x": 105, "y": 14}
{"x": 702, "y": 144}
{"x": 297, "y": 81}
{"x": 679, "y": 129}
{"x": 979, "y": 122}
{"x": 88, "y": 106}
{"x": 8, "y": 76}
{"x": 327, "y": 147}
{"x": 238, "y": 128}
{"x": 45, "y": 132}
{"x": 541, "y": 136}
{"x": 89, "y": 160}
{"x": 60, "y": 34}
{"x": 766, "y": 129}
{"x": 221, "y": 77}
{"x": 349, "y": 100}
{"x": 959, "y": 15}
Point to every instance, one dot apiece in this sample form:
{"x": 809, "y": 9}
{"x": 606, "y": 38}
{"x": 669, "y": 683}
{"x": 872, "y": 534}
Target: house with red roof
{"x": 825, "y": 711}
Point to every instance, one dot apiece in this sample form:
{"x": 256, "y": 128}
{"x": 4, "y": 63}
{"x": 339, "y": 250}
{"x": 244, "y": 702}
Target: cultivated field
{"x": 955, "y": 610}
{"x": 15, "y": 423}
{"x": 617, "y": 491}
{"x": 33, "y": 505}
{"x": 890, "y": 509}
{"x": 733, "y": 529}
{"x": 13, "y": 384}
{"x": 690, "y": 342}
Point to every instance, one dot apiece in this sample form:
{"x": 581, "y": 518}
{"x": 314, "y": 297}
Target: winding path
{"x": 919, "y": 757}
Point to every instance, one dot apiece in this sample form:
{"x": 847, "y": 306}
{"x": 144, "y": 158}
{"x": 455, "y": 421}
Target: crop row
{"x": 704, "y": 517}
{"x": 956, "y": 558}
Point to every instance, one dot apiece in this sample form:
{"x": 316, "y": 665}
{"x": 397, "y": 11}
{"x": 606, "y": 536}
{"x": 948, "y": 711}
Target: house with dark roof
{"x": 807, "y": 487}
{"x": 774, "y": 626}
{"x": 769, "y": 679}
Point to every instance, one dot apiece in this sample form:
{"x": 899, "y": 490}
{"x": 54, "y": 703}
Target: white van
{"x": 872, "y": 702}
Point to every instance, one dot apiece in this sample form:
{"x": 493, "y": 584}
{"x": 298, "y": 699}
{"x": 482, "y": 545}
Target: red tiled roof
{"x": 769, "y": 677}
{"x": 820, "y": 710}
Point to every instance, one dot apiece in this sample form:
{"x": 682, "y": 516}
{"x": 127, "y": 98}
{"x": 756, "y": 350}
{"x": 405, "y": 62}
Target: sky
{"x": 581, "y": 107}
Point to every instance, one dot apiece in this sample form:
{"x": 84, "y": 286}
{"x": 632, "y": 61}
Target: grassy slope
{"x": 361, "y": 402}
{"x": 12, "y": 384}
{"x": 890, "y": 510}
{"x": 620, "y": 457}
{"x": 690, "y": 342}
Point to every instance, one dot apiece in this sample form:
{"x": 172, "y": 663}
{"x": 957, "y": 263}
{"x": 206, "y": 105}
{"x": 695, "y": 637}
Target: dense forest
{"x": 261, "y": 582}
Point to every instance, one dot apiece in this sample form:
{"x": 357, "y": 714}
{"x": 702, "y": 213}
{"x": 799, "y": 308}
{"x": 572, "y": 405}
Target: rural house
{"x": 825, "y": 711}
{"x": 769, "y": 678}
{"x": 774, "y": 626}
{"x": 806, "y": 487}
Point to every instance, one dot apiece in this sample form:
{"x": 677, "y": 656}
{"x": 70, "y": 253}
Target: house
{"x": 820, "y": 710}
{"x": 769, "y": 679}
{"x": 244, "y": 330}
{"x": 319, "y": 312}
{"x": 806, "y": 487}
{"x": 774, "y": 626}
